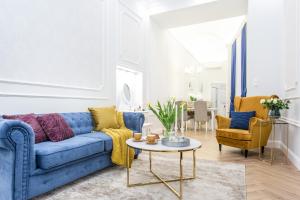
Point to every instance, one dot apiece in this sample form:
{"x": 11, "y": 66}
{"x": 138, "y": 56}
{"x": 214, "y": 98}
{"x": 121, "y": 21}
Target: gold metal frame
{"x": 273, "y": 122}
{"x": 160, "y": 179}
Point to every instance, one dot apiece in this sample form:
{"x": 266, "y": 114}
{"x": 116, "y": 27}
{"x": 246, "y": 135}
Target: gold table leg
{"x": 273, "y": 141}
{"x": 160, "y": 179}
{"x": 127, "y": 164}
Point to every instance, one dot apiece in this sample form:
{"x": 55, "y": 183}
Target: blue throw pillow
{"x": 240, "y": 120}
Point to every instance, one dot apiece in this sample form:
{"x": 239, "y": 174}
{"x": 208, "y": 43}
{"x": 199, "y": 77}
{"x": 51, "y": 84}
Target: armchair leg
{"x": 262, "y": 150}
{"x": 220, "y": 147}
{"x": 246, "y": 153}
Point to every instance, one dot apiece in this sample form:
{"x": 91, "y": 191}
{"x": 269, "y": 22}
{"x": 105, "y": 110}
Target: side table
{"x": 275, "y": 123}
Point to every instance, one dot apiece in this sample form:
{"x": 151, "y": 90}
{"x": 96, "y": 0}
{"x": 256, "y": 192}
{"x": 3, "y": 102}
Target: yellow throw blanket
{"x": 119, "y": 137}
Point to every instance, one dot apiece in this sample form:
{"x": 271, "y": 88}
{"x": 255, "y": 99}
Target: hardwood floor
{"x": 264, "y": 182}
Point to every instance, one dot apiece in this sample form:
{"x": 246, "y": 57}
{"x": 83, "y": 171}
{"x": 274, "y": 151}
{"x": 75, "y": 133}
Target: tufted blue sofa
{"x": 28, "y": 170}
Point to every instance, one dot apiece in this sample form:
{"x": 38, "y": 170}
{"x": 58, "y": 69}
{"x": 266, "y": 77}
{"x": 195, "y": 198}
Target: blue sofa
{"x": 28, "y": 169}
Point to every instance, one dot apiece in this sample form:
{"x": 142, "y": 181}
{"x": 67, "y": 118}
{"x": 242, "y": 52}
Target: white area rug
{"x": 215, "y": 181}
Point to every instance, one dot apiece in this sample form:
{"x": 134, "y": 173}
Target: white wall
{"x": 291, "y": 71}
{"x": 61, "y": 56}
{"x": 265, "y": 47}
{"x": 273, "y": 61}
{"x": 166, "y": 62}
{"x": 202, "y": 81}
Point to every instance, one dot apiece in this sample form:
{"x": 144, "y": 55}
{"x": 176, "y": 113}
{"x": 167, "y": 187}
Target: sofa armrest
{"x": 134, "y": 121}
{"x": 16, "y": 158}
{"x": 223, "y": 122}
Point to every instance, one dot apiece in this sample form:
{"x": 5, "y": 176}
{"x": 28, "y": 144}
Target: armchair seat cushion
{"x": 52, "y": 154}
{"x": 236, "y": 134}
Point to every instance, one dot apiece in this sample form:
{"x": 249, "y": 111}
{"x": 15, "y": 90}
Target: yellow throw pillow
{"x": 105, "y": 117}
{"x": 120, "y": 120}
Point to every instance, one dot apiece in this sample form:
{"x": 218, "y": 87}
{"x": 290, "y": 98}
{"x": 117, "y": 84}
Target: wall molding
{"x": 50, "y": 85}
{"x": 41, "y": 96}
{"x": 103, "y": 7}
{"x": 292, "y": 98}
{"x": 125, "y": 10}
{"x": 291, "y": 121}
{"x": 130, "y": 9}
{"x": 287, "y": 89}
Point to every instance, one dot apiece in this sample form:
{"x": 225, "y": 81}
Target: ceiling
{"x": 204, "y": 27}
{"x": 207, "y": 42}
{"x": 176, "y": 13}
{"x": 161, "y": 6}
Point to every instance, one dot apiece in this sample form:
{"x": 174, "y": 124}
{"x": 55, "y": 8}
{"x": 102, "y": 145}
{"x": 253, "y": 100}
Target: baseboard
{"x": 293, "y": 158}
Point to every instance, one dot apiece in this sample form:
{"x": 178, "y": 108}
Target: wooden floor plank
{"x": 264, "y": 181}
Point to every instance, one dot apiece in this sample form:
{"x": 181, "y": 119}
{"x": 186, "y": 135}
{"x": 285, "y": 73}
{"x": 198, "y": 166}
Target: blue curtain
{"x": 244, "y": 62}
{"x": 233, "y": 75}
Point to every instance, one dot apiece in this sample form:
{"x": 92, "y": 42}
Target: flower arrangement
{"x": 166, "y": 113}
{"x": 275, "y": 105}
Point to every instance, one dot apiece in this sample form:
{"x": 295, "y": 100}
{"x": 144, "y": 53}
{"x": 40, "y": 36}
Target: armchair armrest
{"x": 260, "y": 130}
{"x": 223, "y": 122}
{"x": 258, "y": 123}
{"x": 16, "y": 158}
{"x": 134, "y": 121}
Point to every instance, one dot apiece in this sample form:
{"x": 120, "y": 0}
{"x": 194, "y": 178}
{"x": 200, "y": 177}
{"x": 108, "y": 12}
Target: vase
{"x": 275, "y": 113}
{"x": 169, "y": 134}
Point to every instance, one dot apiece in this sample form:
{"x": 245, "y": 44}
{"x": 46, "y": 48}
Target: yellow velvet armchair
{"x": 245, "y": 139}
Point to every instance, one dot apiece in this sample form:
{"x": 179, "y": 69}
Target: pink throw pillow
{"x": 55, "y": 127}
{"x": 30, "y": 119}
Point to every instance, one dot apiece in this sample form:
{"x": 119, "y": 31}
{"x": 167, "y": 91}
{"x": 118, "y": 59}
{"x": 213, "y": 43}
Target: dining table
{"x": 211, "y": 110}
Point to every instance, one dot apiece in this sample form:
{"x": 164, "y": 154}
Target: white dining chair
{"x": 200, "y": 114}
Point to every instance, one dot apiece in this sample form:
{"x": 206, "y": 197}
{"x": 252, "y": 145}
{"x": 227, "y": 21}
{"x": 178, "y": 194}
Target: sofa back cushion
{"x": 55, "y": 127}
{"x": 79, "y": 122}
{"x": 30, "y": 119}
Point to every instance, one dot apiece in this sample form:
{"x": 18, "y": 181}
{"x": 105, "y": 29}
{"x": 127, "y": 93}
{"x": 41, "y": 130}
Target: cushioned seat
{"x": 52, "y": 154}
{"x": 237, "y": 134}
{"x": 108, "y": 143}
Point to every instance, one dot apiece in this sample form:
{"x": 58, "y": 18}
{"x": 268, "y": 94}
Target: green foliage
{"x": 165, "y": 113}
{"x": 193, "y": 98}
{"x": 275, "y": 104}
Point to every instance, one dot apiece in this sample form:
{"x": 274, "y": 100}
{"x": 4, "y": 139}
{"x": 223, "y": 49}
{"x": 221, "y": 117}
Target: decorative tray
{"x": 175, "y": 141}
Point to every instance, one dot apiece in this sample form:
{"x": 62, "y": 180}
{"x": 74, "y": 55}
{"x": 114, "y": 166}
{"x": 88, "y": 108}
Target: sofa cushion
{"x": 52, "y": 154}
{"x": 80, "y": 122}
{"x": 55, "y": 127}
{"x": 108, "y": 143}
{"x": 30, "y": 119}
{"x": 236, "y": 134}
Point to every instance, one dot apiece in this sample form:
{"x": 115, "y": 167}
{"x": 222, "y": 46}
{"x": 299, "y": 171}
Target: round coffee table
{"x": 194, "y": 145}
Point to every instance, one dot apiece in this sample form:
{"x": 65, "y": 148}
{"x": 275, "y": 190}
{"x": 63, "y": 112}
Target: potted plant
{"x": 166, "y": 114}
{"x": 274, "y": 105}
{"x": 192, "y": 98}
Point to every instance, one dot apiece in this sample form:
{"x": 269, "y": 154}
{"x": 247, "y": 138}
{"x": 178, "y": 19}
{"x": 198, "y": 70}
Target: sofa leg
{"x": 246, "y": 153}
{"x": 262, "y": 150}
{"x": 220, "y": 147}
